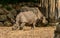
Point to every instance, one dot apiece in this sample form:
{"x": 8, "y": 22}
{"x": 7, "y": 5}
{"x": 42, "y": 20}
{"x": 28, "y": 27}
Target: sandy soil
{"x": 27, "y": 32}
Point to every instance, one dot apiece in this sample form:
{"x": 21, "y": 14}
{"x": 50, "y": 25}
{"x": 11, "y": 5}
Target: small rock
{"x": 14, "y": 12}
{"x": 1, "y": 24}
{"x": 1, "y": 12}
{"x": 3, "y": 17}
{"x": 58, "y": 28}
{"x": 7, "y": 23}
{"x": 10, "y": 15}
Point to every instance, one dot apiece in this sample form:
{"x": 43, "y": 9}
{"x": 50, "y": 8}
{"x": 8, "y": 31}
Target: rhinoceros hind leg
{"x": 33, "y": 25}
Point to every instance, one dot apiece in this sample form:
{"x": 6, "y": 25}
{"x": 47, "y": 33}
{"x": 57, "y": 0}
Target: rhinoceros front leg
{"x": 33, "y": 25}
{"x": 16, "y": 25}
{"x": 21, "y": 26}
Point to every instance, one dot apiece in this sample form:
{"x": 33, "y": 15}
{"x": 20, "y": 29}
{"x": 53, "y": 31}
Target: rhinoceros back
{"x": 28, "y": 17}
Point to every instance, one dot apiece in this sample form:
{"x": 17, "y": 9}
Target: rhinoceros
{"x": 28, "y": 17}
{"x": 25, "y": 17}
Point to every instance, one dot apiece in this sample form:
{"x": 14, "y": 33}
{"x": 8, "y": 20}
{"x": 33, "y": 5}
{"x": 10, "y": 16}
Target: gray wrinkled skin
{"x": 25, "y": 17}
{"x": 30, "y": 17}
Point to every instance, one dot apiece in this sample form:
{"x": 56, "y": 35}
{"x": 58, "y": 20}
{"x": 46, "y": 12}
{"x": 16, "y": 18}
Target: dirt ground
{"x": 27, "y": 32}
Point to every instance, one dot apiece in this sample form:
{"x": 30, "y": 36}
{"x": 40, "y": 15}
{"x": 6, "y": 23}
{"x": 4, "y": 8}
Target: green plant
{"x": 8, "y": 7}
{"x": 17, "y": 1}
